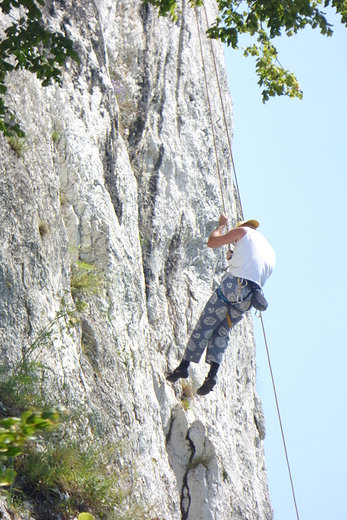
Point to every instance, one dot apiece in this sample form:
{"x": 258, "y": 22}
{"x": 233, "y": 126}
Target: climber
{"x": 250, "y": 264}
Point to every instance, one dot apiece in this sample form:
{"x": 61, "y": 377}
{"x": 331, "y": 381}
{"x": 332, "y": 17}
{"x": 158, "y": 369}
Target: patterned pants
{"x": 212, "y": 330}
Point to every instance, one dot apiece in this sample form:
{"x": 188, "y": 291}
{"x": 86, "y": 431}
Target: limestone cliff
{"x": 120, "y": 172}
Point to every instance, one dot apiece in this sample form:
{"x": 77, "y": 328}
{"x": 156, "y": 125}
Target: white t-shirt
{"x": 253, "y": 258}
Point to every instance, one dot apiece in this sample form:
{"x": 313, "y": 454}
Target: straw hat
{"x": 252, "y": 221}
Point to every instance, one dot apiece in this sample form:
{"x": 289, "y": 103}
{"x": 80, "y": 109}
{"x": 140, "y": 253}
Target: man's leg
{"x": 212, "y": 329}
{"x": 219, "y": 341}
{"x": 212, "y": 316}
{"x": 210, "y": 380}
{"x": 233, "y": 289}
{"x": 216, "y": 349}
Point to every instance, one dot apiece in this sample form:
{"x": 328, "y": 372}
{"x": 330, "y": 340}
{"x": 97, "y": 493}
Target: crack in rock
{"x": 193, "y": 459}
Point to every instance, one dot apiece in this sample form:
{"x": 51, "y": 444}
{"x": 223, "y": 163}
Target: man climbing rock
{"x": 250, "y": 265}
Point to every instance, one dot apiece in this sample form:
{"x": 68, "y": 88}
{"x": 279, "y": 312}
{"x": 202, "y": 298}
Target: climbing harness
{"x": 239, "y": 297}
{"x": 222, "y": 297}
{"x": 232, "y": 304}
{"x": 238, "y": 200}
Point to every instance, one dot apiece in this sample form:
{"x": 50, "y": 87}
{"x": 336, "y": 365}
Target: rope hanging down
{"x": 210, "y": 110}
{"x": 241, "y": 211}
{"x": 224, "y": 119}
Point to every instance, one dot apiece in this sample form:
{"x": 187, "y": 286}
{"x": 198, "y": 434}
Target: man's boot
{"x": 210, "y": 381}
{"x": 181, "y": 372}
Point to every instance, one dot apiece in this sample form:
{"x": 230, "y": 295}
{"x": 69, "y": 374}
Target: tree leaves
{"x": 15, "y": 432}
{"x": 267, "y": 19}
{"x": 273, "y": 77}
{"x": 169, "y": 7}
{"x": 28, "y": 45}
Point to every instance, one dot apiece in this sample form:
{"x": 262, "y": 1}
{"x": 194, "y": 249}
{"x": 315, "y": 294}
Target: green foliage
{"x": 85, "y": 476}
{"x": 276, "y": 80}
{"x": 187, "y": 395}
{"x": 28, "y": 45}
{"x": 16, "y": 432}
{"x": 86, "y": 280}
{"x": 186, "y": 403}
{"x": 17, "y": 391}
{"x": 85, "y": 516}
{"x": 55, "y": 136}
{"x": 18, "y": 144}
{"x": 70, "y": 471}
{"x": 267, "y": 20}
{"x": 20, "y": 386}
{"x": 169, "y": 7}
{"x": 143, "y": 241}
{"x": 187, "y": 390}
{"x": 81, "y": 306}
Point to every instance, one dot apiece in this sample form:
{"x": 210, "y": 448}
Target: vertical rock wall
{"x": 131, "y": 187}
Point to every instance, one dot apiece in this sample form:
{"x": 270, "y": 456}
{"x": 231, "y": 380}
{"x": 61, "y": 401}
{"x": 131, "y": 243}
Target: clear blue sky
{"x": 291, "y": 164}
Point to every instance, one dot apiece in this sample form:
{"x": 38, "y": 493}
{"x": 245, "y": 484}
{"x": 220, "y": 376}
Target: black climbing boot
{"x": 207, "y": 386}
{"x": 181, "y": 372}
{"x": 210, "y": 381}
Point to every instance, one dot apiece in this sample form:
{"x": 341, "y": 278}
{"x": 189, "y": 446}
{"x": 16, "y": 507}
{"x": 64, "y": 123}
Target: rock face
{"x": 120, "y": 172}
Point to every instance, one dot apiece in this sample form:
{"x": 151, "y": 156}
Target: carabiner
{"x": 239, "y": 297}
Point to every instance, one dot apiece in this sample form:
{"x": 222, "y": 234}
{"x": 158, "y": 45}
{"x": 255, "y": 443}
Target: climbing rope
{"x": 242, "y": 215}
{"x": 210, "y": 110}
{"x": 279, "y": 417}
{"x": 225, "y": 119}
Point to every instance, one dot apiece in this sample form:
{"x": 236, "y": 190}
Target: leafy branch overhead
{"x": 266, "y": 20}
{"x": 29, "y": 45}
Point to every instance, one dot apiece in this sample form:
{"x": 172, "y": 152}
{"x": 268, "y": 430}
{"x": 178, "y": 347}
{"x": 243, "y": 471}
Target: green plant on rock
{"x": 69, "y": 471}
{"x": 85, "y": 477}
{"x": 16, "y": 432}
{"x": 21, "y": 385}
{"x": 81, "y": 305}
{"x": 185, "y": 403}
{"x": 20, "y": 388}
{"x": 187, "y": 395}
{"x": 18, "y": 144}
{"x": 143, "y": 241}
{"x": 55, "y": 136}
{"x": 86, "y": 281}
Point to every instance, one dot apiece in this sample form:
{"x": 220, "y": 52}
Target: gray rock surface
{"x": 129, "y": 184}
